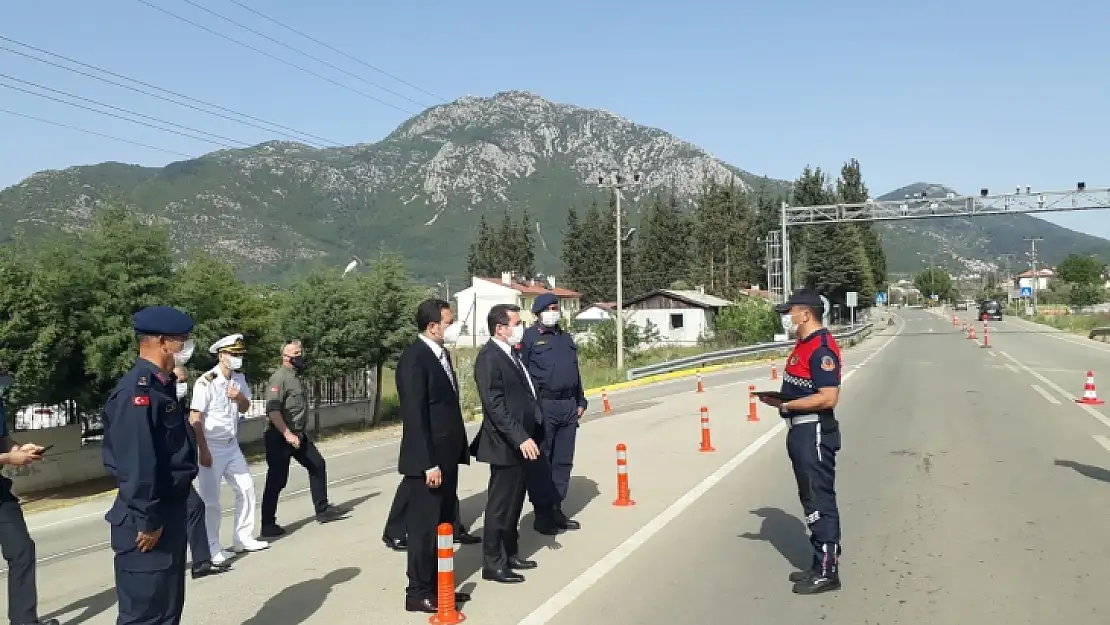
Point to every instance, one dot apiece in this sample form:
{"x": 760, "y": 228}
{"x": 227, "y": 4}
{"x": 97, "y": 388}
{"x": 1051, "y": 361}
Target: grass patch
{"x": 1077, "y": 324}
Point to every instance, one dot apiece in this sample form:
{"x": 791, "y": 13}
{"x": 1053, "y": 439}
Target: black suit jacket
{"x": 433, "y": 433}
{"x": 508, "y": 408}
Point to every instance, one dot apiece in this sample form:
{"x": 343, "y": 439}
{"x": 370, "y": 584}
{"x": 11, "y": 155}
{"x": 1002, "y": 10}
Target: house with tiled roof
{"x": 473, "y": 303}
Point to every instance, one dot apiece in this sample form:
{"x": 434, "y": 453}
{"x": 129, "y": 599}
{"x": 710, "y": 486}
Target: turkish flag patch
{"x": 274, "y": 389}
{"x": 140, "y": 400}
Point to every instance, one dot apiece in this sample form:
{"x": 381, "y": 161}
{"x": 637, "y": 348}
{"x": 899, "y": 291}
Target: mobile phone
{"x": 46, "y": 449}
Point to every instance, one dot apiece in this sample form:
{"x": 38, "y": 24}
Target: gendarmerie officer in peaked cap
{"x": 812, "y": 376}
{"x": 219, "y": 397}
{"x": 551, "y": 357}
{"x": 149, "y": 451}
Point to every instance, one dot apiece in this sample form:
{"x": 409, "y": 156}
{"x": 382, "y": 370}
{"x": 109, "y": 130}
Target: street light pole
{"x": 616, "y": 181}
{"x": 1033, "y": 260}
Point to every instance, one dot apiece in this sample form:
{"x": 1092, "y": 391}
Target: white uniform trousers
{"x": 228, "y": 463}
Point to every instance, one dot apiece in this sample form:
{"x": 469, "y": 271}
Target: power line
{"x": 123, "y": 110}
{"x": 334, "y": 49}
{"x": 133, "y": 121}
{"x": 297, "y": 136}
{"x": 302, "y": 52}
{"x": 93, "y": 132}
{"x": 275, "y": 58}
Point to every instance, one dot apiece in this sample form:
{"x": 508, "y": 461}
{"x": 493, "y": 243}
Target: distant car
{"x": 990, "y": 310}
{"x": 961, "y": 305}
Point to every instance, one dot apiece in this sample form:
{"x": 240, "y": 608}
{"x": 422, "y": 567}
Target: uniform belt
{"x": 545, "y": 394}
{"x": 226, "y": 440}
{"x": 803, "y": 419}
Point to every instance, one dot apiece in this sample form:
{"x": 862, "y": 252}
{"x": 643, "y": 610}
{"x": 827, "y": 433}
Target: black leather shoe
{"x": 464, "y": 538}
{"x": 563, "y": 522}
{"x": 49, "y": 621}
{"x": 799, "y": 576}
{"x": 817, "y": 584}
{"x": 206, "y": 568}
{"x": 504, "y": 576}
{"x": 331, "y": 513}
{"x": 545, "y": 525}
{"x": 396, "y": 544}
{"x": 519, "y": 564}
{"x": 272, "y": 530}
{"x": 416, "y": 604}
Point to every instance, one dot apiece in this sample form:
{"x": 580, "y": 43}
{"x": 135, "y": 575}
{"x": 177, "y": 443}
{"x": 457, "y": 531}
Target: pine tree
{"x": 662, "y": 247}
{"x": 765, "y": 217}
{"x": 850, "y": 189}
{"x": 527, "y": 252}
{"x": 573, "y": 255}
{"x": 596, "y": 259}
{"x": 479, "y": 261}
{"x": 835, "y": 260}
{"x": 721, "y": 218}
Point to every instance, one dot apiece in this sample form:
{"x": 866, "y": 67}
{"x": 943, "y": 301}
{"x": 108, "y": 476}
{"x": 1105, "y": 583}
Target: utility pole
{"x": 1009, "y": 276}
{"x": 616, "y": 182}
{"x": 1033, "y": 261}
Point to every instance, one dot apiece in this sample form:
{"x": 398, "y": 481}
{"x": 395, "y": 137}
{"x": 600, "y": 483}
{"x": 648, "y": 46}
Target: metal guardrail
{"x": 709, "y": 358}
{"x": 1100, "y": 334}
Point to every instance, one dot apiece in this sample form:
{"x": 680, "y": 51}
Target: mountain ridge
{"x": 273, "y": 208}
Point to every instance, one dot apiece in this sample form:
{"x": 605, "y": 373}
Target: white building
{"x": 1026, "y": 280}
{"x": 474, "y": 302}
{"x": 680, "y": 317}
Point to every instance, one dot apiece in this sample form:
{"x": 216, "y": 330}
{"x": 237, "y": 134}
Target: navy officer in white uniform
{"x": 219, "y": 396}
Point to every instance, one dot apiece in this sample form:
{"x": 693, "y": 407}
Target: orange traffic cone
{"x": 753, "y": 415}
{"x": 701, "y": 389}
{"x": 605, "y": 402}
{"x": 1090, "y": 397}
{"x": 446, "y": 614}
{"x": 623, "y": 493}
{"x": 986, "y": 335}
{"x": 706, "y": 445}
{"x": 774, "y": 371}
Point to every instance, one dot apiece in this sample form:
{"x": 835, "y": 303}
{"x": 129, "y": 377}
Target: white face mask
{"x": 183, "y": 356}
{"x": 788, "y": 325}
{"x": 516, "y": 335}
{"x": 234, "y": 363}
{"x": 549, "y": 317}
{"x": 182, "y": 389}
{"x": 451, "y": 334}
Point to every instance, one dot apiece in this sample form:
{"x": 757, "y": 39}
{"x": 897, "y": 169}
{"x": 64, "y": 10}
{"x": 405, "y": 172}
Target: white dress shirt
{"x": 519, "y": 363}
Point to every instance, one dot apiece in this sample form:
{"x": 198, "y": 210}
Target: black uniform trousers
{"x": 198, "y": 531}
{"x": 398, "y": 513}
{"x": 19, "y": 552}
{"x": 812, "y": 452}
{"x": 151, "y": 586}
{"x": 427, "y": 508}
{"x": 501, "y": 525}
{"x": 278, "y": 454}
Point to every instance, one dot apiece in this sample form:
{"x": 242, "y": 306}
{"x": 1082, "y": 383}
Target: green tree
{"x": 835, "y": 260}
{"x": 525, "y": 261}
{"x": 662, "y": 247}
{"x": 720, "y": 223}
{"x": 574, "y": 254}
{"x": 934, "y": 281}
{"x": 222, "y": 304}
{"x": 597, "y": 282}
{"x": 480, "y": 260}
{"x": 850, "y": 189}
{"x": 127, "y": 267}
{"x": 751, "y": 320}
{"x": 1080, "y": 269}
{"x": 1087, "y": 294}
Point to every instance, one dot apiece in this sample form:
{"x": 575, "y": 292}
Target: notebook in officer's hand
{"x": 784, "y": 397}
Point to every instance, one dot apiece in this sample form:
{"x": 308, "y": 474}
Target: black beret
{"x": 162, "y": 321}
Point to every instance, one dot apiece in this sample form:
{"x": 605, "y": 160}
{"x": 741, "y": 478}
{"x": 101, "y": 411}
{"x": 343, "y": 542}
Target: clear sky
{"x": 967, "y": 93}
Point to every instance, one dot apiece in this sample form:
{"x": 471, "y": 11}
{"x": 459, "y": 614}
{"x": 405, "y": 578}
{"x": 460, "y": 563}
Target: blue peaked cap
{"x": 162, "y": 321}
{"x": 543, "y": 301}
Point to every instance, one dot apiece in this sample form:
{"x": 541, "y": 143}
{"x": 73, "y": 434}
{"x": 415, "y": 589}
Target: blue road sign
{"x": 1027, "y": 291}
{"x": 880, "y": 297}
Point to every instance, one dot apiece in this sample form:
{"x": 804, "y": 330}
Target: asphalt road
{"x": 973, "y": 490}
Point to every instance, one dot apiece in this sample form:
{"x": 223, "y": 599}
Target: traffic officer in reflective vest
{"x": 551, "y": 357}
{"x": 194, "y": 506}
{"x": 148, "y": 450}
{"x": 219, "y": 396}
{"x": 812, "y": 376}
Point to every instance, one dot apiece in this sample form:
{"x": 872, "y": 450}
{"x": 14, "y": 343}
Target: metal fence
{"x": 736, "y": 353}
{"x": 354, "y": 387}
{"x": 1100, "y": 334}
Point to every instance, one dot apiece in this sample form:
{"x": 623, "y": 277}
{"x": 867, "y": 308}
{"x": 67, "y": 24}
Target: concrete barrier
{"x": 70, "y": 462}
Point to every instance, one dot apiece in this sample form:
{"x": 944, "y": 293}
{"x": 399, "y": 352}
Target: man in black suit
{"x": 506, "y": 442}
{"x": 433, "y": 445}
{"x": 396, "y": 538}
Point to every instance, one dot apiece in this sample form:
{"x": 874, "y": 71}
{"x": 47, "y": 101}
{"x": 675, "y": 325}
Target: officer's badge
{"x": 170, "y": 407}
{"x": 793, "y": 360}
{"x": 143, "y": 381}
{"x": 538, "y": 343}
{"x": 828, "y": 364}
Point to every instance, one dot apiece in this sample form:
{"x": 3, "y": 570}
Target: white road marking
{"x": 1056, "y": 387}
{"x": 1044, "y": 393}
{"x": 579, "y": 585}
{"x": 1067, "y": 337}
{"x": 1011, "y": 368}
{"x": 1102, "y": 440}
